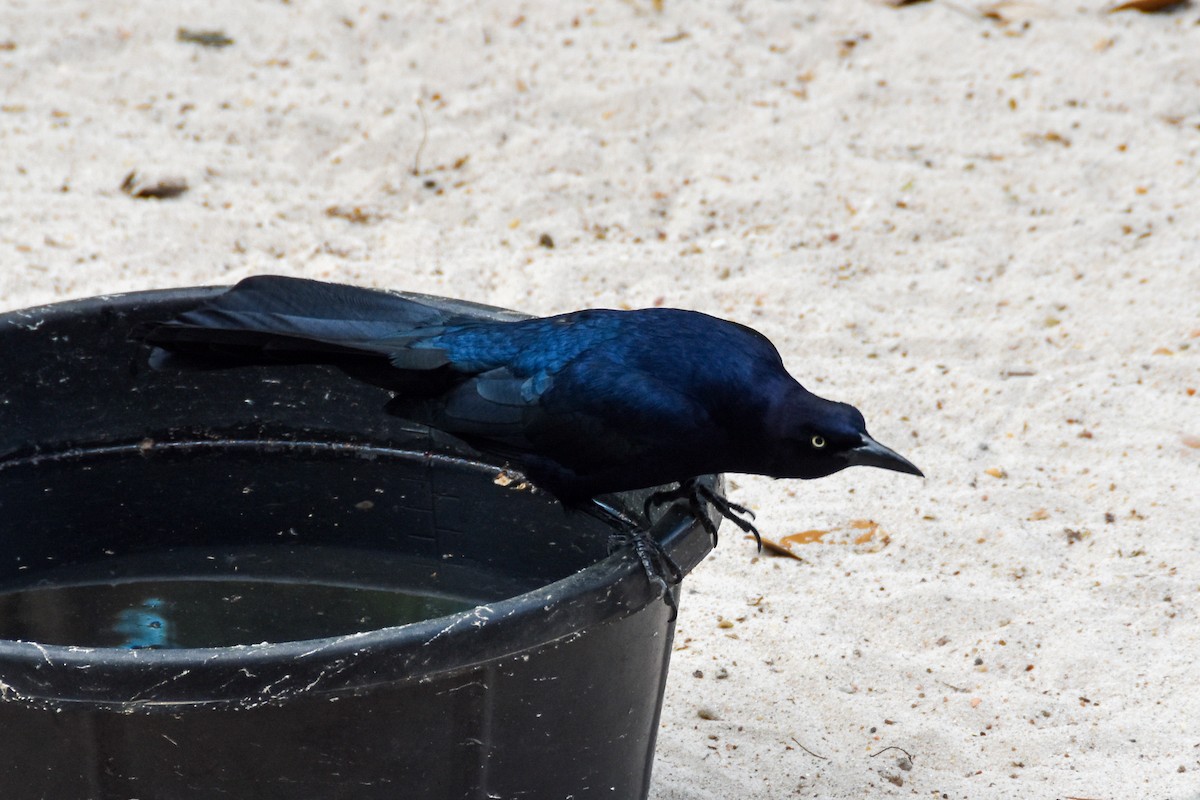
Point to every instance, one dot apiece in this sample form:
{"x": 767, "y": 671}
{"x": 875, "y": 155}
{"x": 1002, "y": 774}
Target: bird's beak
{"x": 872, "y": 454}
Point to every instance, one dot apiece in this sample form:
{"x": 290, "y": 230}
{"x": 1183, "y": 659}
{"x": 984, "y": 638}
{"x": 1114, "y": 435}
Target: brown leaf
{"x": 1148, "y": 6}
{"x": 863, "y": 535}
{"x": 776, "y": 548}
{"x": 805, "y": 537}
{"x": 869, "y": 527}
{"x": 1192, "y": 442}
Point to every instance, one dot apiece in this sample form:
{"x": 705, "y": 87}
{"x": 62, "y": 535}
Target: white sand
{"x": 909, "y": 217}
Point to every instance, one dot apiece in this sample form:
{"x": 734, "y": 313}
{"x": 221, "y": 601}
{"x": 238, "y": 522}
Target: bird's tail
{"x": 273, "y": 318}
{"x": 268, "y": 320}
{"x": 372, "y": 335}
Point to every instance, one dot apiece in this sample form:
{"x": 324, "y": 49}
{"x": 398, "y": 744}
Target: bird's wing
{"x": 594, "y": 414}
{"x": 495, "y": 405}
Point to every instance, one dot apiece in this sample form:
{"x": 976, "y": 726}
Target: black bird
{"x": 584, "y": 403}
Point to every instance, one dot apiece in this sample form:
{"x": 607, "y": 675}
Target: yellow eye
{"x": 818, "y": 442}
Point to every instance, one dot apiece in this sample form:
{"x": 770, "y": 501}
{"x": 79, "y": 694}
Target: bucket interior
{"x": 227, "y": 541}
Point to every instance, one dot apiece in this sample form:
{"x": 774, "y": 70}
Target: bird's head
{"x": 815, "y": 437}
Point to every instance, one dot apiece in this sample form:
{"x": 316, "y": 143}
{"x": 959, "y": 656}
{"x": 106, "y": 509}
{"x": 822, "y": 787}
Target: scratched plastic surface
{"x": 201, "y": 598}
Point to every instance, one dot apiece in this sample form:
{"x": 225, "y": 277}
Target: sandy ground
{"x": 983, "y": 232}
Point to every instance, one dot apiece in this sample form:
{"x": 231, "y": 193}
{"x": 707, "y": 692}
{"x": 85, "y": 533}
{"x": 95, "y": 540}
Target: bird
{"x": 584, "y": 404}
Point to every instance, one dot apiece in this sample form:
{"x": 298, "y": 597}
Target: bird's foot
{"x": 656, "y": 561}
{"x": 661, "y": 570}
{"x": 697, "y": 494}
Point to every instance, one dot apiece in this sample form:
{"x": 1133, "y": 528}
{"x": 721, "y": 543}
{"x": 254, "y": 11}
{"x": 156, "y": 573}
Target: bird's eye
{"x": 818, "y": 442}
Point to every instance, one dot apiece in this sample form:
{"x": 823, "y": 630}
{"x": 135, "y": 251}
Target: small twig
{"x": 958, "y": 689}
{"x": 203, "y": 38}
{"x": 810, "y": 752}
{"x": 893, "y": 747}
{"x": 416, "y": 170}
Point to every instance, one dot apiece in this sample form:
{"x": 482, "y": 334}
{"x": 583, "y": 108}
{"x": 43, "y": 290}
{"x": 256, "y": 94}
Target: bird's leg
{"x": 652, "y": 554}
{"x": 660, "y": 568}
{"x": 697, "y": 494}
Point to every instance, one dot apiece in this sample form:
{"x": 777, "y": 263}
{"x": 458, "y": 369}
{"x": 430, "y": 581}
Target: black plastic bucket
{"x": 548, "y": 685}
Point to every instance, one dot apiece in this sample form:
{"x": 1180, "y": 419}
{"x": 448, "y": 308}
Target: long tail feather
{"x": 292, "y": 314}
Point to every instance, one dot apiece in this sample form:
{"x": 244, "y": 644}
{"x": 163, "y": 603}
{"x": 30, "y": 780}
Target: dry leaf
{"x": 776, "y": 548}
{"x": 1192, "y": 442}
{"x": 509, "y": 480}
{"x": 805, "y": 537}
{"x": 868, "y": 526}
{"x": 1147, "y": 6}
{"x": 864, "y": 535}
{"x": 996, "y": 472}
{"x": 1041, "y": 513}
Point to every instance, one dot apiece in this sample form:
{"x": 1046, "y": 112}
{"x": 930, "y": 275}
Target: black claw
{"x": 656, "y": 562}
{"x": 697, "y": 495}
{"x": 661, "y": 570}
{"x": 697, "y": 509}
{"x": 655, "y": 559}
